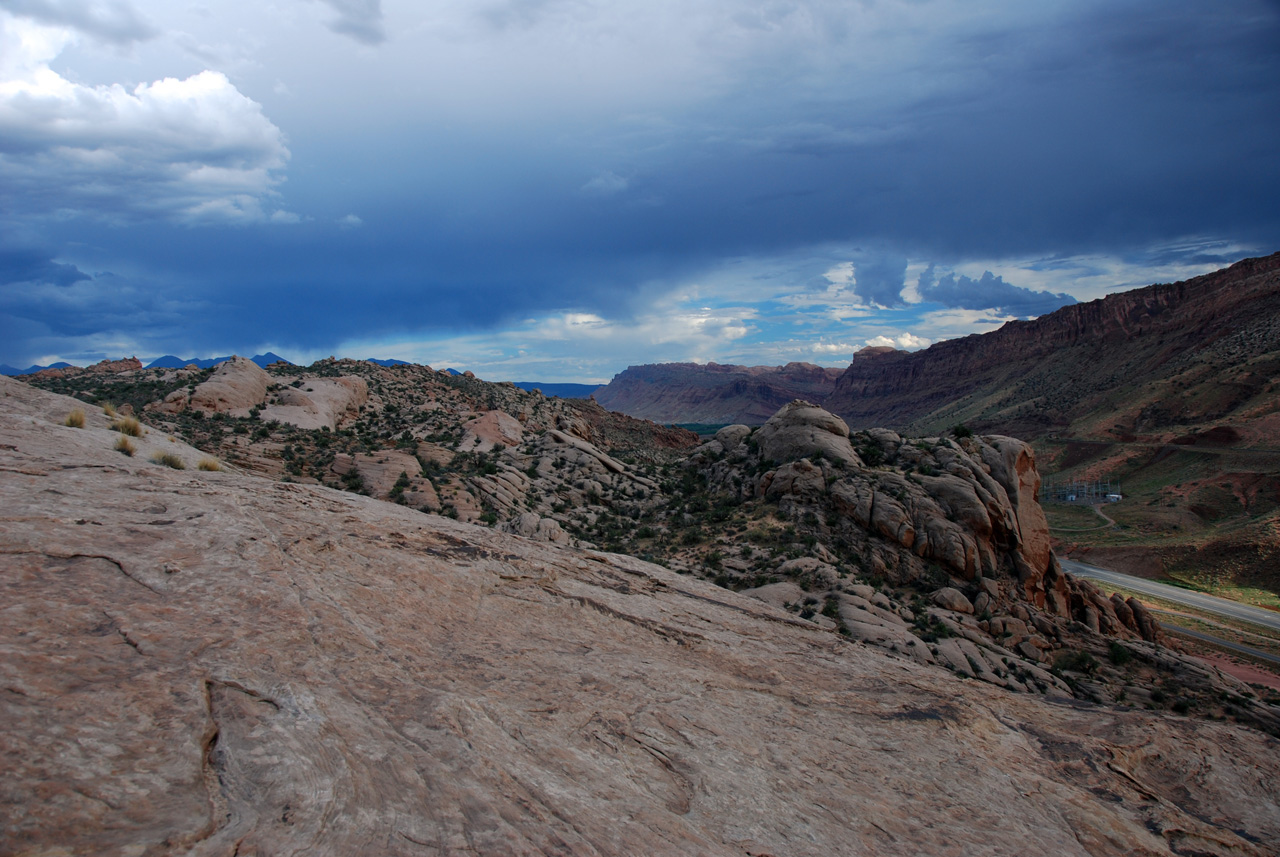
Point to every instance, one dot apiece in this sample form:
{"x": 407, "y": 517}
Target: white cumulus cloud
{"x": 192, "y": 150}
{"x": 905, "y": 341}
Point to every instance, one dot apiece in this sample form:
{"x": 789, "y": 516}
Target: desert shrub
{"x": 129, "y": 426}
{"x": 397, "y": 490}
{"x": 962, "y": 430}
{"x": 353, "y": 481}
{"x": 75, "y": 419}
{"x": 1118, "y": 654}
{"x": 109, "y": 409}
{"x": 169, "y": 459}
{"x": 123, "y": 445}
{"x": 210, "y": 464}
{"x": 1081, "y": 662}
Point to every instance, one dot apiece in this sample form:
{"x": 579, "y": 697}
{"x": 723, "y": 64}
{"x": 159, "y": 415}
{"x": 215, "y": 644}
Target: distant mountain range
{"x": 166, "y": 362}
{"x": 1149, "y": 359}
{"x": 712, "y": 393}
{"x": 6, "y": 369}
{"x": 171, "y": 362}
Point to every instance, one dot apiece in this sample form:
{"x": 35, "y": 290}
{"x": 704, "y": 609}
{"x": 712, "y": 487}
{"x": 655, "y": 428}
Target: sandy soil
{"x": 1245, "y": 671}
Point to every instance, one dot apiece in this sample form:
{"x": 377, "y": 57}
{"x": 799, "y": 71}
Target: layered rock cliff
{"x": 203, "y": 663}
{"x": 1105, "y": 357}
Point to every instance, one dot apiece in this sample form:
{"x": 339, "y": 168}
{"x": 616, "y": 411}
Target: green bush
{"x": 1118, "y": 654}
{"x": 1080, "y": 662}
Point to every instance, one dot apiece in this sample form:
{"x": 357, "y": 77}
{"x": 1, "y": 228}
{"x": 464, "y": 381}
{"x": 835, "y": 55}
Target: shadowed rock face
{"x": 211, "y": 663}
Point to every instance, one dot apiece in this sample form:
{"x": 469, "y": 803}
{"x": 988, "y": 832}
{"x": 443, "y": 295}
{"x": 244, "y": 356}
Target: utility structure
{"x": 1080, "y": 491}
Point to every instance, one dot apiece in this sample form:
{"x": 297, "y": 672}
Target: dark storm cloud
{"x": 110, "y": 20}
{"x": 1107, "y": 128}
{"x": 988, "y": 292}
{"x": 359, "y": 19}
{"x": 23, "y": 265}
{"x": 879, "y": 279}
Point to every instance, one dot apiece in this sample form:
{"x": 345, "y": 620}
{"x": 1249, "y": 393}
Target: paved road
{"x": 1226, "y": 644}
{"x": 1208, "y": 603}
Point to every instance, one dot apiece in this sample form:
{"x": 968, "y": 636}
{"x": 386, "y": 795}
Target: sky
{"x": 553, "y": 190}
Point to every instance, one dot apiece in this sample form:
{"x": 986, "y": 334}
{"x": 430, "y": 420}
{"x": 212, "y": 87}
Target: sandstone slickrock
{"x": 318, "y": 402}
{"x": 236, "y": 386}
{"x": 210, "y": 663}
{"x": 489, "y": 429}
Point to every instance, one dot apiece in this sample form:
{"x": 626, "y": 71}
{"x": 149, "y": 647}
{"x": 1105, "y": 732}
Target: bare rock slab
{"x": 209, "y": 663}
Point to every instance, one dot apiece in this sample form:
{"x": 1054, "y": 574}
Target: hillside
{"x": 1170, "y": 391}
{"x": 711, "y": 393}
{"x": 1143, "y": 362}
{"x": 210, "y": 661}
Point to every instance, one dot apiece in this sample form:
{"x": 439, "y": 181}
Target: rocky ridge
{"x": 211, "y": 662}
{"x": 1031, "y": 376}
{"x": 1172, "y": 390}
{"x": 935, "y": 549}
{"x": 944, "y": 536}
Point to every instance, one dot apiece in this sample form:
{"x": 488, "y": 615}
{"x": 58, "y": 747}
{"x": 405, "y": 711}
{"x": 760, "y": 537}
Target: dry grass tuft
{"x": 129, "y": 426}
{"x": 211, "y": 464}
{"x": 123, "y": 445}
{"x": 75, "y": 419}
{"x": 168, "y": 459}
{"x": 109, "y": 409}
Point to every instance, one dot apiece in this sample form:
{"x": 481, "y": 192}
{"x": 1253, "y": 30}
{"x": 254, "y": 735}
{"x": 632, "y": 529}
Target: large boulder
{"x": 237, "y": 385}
{"x": 802, "y": 430}
{"x": 490, "y": 429}
{"x": 319, "y": 402}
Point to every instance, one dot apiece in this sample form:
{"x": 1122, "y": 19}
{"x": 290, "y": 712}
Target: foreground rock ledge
{"x": 209, "y": 664}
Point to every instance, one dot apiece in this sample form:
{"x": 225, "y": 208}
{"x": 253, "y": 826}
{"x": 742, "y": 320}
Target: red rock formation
{"x": 102, "y": 367}
{"x": 713, "y": 393}
{"x": 1033, "y": 375}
